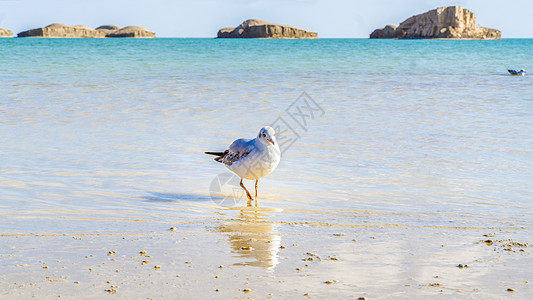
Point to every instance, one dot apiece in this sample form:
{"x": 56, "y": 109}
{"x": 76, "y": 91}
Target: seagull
{"x": 252, "y": 159}
{"x": 522, "y": 72}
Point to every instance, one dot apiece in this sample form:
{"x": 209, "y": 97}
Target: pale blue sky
{"x": 203, "y": 18}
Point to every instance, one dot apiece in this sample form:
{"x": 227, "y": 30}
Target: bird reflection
{"x": 253, "y": 238}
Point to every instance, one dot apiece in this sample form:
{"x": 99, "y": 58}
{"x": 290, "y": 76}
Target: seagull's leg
{"x": 247, "y": 194}
{"x": 256, "y": 192}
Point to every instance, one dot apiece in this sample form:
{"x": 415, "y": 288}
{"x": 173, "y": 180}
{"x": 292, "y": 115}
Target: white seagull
{"x": 252, "y": 159}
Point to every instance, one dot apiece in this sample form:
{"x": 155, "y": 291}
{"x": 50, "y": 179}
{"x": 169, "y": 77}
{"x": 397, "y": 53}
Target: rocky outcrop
{"x": 387, "y": 32}
{"x": 107, "y": 29}
{"x": 5, "y": 33}
{"x": 80, "y": 31}
{"x": 260, "y": 29}
{"x": 228, "y": 32}
{"x": 63, "y": 31}
{"x": 444, "y": 22}
{"x": 132, "y": 32}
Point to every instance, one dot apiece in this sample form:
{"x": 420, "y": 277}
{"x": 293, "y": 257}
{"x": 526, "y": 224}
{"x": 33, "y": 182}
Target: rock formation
{"x": 80, "y": 31}
{"x": 228, "y": 32}
{"x": 107, "y": 29}
{"x": 5, "y": 33}
{"x": 63, "y": 31}
{"x": 443, "y": 22}
{"x": 387, "y": 32}
{"x": 132, "y": 32}
{"x": 260, "y": 29}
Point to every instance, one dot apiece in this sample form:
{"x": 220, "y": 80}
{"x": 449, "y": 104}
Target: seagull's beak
{"x": 271, "y": 141}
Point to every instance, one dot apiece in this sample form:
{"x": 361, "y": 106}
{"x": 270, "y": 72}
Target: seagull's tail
{"x": 219, "y": 155}
{"x": 215, "y": 153}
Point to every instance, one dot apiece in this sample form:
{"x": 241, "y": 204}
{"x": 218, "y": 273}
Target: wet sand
{"x": 244, "y": 253}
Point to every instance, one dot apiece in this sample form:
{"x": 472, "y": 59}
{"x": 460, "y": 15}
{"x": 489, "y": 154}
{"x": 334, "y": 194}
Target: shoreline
{"x": 249, "y": 256}
{"x": 312, "y": 39}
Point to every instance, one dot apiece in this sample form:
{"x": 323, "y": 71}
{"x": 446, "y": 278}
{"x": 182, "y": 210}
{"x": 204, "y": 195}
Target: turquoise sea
{"x": 403, "y": 133}
{"x": 409, "y": 126}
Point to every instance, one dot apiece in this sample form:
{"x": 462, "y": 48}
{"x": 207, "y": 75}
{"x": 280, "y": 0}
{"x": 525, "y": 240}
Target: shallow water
{"x": 406, "y": 145}
{"x": 423, "y": 132}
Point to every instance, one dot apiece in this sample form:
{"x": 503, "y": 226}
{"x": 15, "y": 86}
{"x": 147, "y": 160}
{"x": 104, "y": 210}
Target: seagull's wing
{"x": 237, "y": 150}
{"x": 513, "y": 72}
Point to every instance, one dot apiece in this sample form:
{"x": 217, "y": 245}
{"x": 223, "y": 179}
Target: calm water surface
{"x": 417, "y": 133}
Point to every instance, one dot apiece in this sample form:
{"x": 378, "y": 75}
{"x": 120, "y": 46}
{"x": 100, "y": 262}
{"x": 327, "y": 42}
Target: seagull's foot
{"x": 249, "y": 203}
{"x": 250, "y": 199}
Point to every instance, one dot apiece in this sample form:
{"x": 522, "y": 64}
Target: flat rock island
{"x": 132, "y": 32}
{"x": 453, "y": 22}
{"x": 5, "y": 33}
{"x": 254, "y": 28}
{"x": 57, "y": 30}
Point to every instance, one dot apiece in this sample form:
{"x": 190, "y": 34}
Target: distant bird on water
{"x": 522, "y": 72}
{"x": 252, "y": 159}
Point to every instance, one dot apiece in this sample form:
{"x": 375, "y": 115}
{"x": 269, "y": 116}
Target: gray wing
{"x": 237, "y": 150}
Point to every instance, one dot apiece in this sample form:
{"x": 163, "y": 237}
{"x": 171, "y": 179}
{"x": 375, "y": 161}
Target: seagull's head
{"x": 267, "y": 135}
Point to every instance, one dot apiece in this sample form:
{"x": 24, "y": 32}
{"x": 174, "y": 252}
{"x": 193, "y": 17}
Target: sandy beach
{"x": 244, "y": 253}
